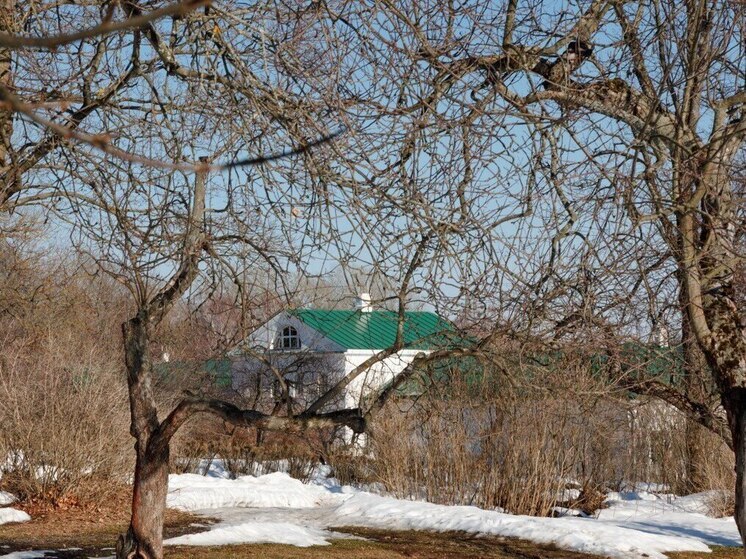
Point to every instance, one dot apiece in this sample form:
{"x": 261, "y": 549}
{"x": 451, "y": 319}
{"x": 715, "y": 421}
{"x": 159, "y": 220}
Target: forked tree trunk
{"x": 144, "y": 538}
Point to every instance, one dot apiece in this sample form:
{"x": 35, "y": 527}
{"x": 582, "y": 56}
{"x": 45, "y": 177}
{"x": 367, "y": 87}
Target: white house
{"x": 314, "y": 348}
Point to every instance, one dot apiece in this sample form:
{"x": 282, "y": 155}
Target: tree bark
{"x": 144, "y": 538}
{"x": 708, "y": 265}
{"x": 735, "y": 404}
{"x": 7, "y": 8}
{"x": 695, "y": 378}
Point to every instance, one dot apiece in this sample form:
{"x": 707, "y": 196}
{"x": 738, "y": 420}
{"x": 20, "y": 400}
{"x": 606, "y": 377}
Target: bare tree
{"x": 86, "y": 106}
{"x": 611, "y": 129}
{"x": 249, "y": 93}
{"x": 555, "y": 172}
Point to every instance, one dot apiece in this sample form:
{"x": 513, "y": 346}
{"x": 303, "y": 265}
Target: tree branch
{"x": 104, "y": 28}
{"x": 352, "y": 418}
{"x": 696, "y": 411}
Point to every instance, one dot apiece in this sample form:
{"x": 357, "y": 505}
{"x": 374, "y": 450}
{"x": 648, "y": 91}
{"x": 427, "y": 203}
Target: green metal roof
{"x": 377, "y": 329}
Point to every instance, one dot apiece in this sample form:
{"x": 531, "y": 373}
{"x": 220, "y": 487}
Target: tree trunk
{"x": 144, "y": 539}
{"x": 7, "y": 12}
{"x": 696, "y": 374}
{"x": 734, "y": 402}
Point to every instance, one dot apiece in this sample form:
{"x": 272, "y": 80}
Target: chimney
{"x": 363, "y": 303}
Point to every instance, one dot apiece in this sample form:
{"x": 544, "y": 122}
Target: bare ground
{"x": 717, "y": 553}
{"x": 76, "y": 534}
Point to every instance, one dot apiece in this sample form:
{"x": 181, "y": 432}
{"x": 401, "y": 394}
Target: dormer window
{"x": 289, "y": 338}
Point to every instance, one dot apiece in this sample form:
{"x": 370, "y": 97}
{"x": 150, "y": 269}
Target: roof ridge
{"x": 354, "y": 311}
{"x": 356, "y": 329}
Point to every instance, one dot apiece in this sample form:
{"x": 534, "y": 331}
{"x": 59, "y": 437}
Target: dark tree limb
{"x": 352, "y": 418}
{"x": 106, "y": 27}
{"x": 696, "y": 411}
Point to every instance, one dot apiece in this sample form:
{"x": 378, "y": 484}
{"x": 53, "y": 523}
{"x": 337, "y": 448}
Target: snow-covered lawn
{"x": 276, "y": 508}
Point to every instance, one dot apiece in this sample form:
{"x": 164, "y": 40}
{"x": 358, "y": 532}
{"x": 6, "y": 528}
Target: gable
{"x": 353, "y": 329}
{"x": 265, "y": 337}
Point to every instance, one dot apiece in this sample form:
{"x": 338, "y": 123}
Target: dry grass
{"x": 381, "y": 544}
{"x": 92, "y": 529}
{"x": 79, "y": 538}
{"x": 717, "y": 553}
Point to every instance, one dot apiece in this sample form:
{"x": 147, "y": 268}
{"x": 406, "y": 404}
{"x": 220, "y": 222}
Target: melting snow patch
{"x": 13, "y": 515}
{"x": 191, "y": 492}
{"x": 6, "y": 498}
{"x": 584, "y": 535}
{"x": 256, "y": 532}
{"x": 279, "y": 509}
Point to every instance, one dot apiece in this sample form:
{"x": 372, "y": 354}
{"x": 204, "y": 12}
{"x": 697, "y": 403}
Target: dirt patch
{"x": 461, "y": 544}
{"x": 83, "y": 531}
{"x": 74, "y": 536}
{"x": 383, "y": 544}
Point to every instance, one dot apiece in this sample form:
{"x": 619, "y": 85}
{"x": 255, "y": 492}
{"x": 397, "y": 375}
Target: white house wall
{"x": 377, "y": 376}
{"x": 318, "y": 354}
{"x": 313, "y": 371}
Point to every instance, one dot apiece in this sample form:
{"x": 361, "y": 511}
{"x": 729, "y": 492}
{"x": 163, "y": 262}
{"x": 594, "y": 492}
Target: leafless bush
{"x": 520, "y": 448}
{"x": 354, "y": 468}
{"x": 722, "y": 504}
{"x": 63, "y": 406}
{"x": 240, "y": 451}
{"x": 471, "y": 450}
{"x": 64, "y": 423}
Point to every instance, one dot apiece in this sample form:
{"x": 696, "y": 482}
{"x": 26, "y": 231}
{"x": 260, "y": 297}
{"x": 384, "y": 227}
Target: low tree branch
{"x": 352, "y": 418}
{"x": 696, "y": 411}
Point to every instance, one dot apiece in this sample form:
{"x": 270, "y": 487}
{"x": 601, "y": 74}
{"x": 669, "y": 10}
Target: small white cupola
{"x": 363, "y": 303}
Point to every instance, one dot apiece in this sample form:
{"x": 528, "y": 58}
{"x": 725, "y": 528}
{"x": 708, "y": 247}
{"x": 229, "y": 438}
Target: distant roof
{"x": 354, "y": 329}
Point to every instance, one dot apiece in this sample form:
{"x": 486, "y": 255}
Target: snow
{"x": 257, "y": 532}
{"x": 279, "y": 509}
{"x": 8, "y": 514}
{"x": 584, "y": 535}
{"x": 668, "y": 515}
{"x": 6, "y": 498}
{"x": 275, "y": 508}
{"x": 190, "y": 492}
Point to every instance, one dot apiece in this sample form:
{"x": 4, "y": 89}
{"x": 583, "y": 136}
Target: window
{"x": 289, "y": 338}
